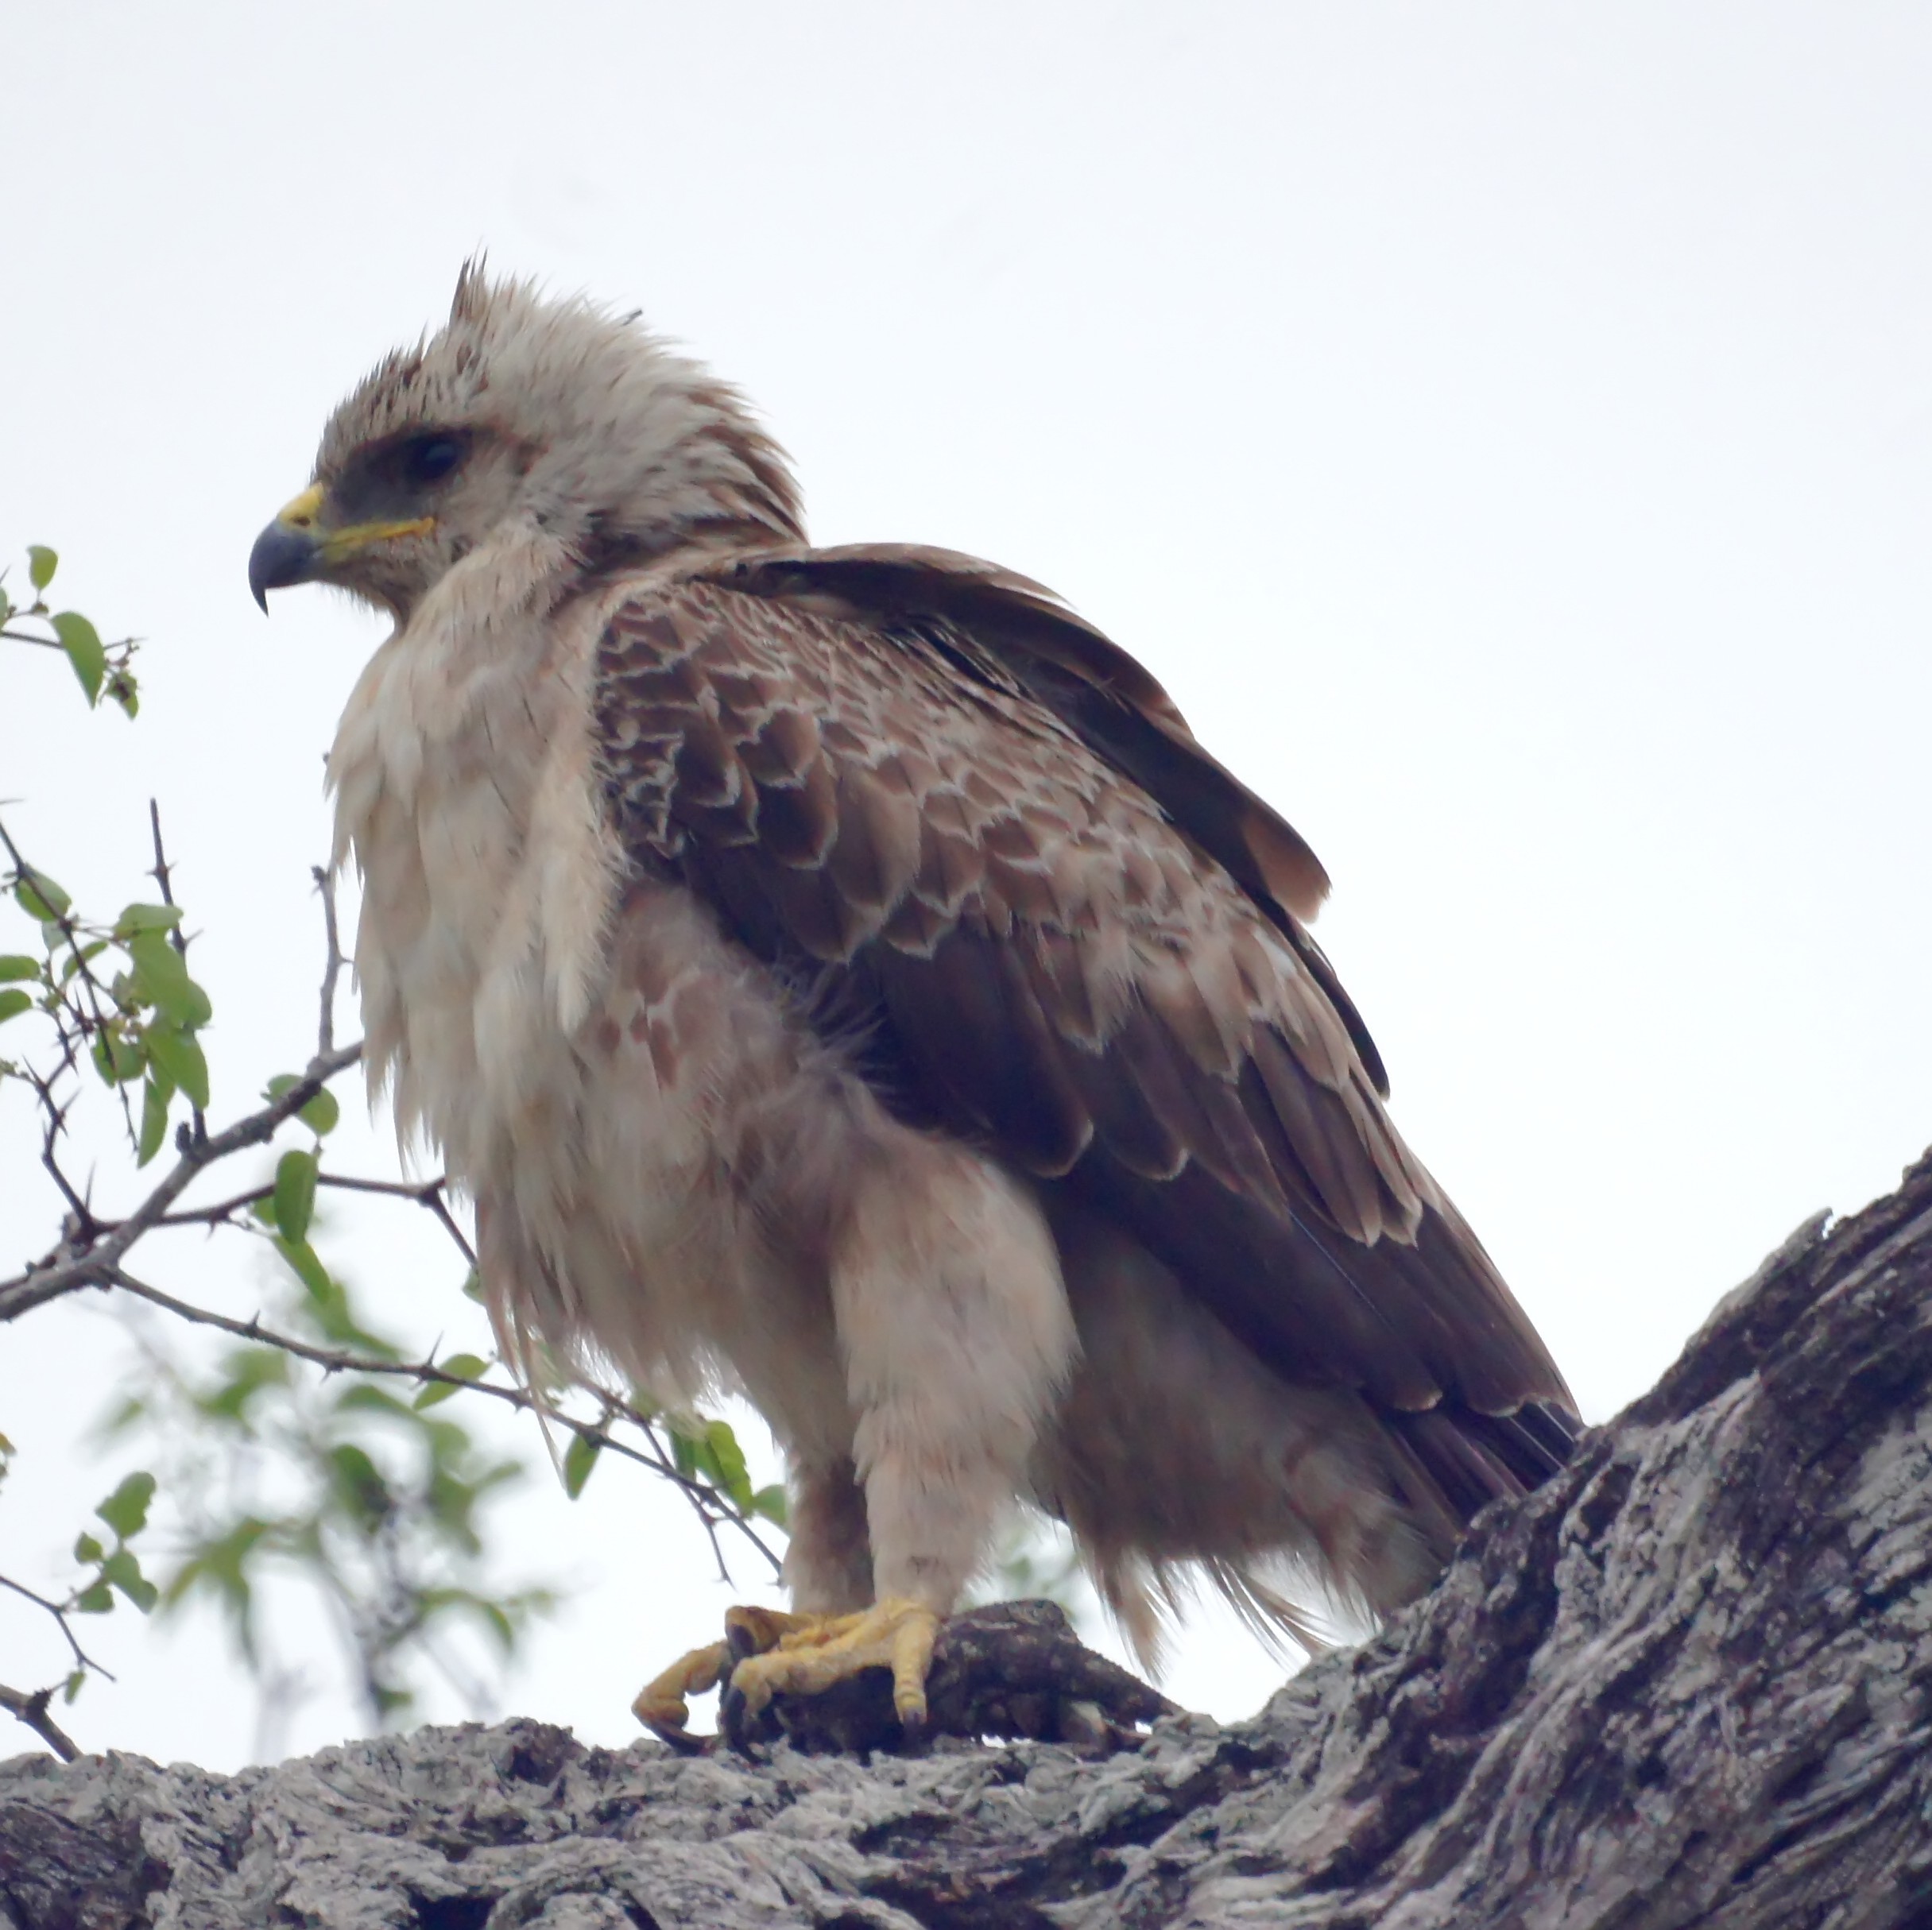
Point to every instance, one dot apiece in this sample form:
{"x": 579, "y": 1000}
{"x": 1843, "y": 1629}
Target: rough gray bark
{"x": 1685, "y": 1683}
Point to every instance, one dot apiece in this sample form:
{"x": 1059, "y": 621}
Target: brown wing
{"x": 993, "y": 620}
{"x": 1039, "y": 939}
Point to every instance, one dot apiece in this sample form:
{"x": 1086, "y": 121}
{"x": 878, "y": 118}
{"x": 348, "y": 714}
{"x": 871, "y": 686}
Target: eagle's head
{"x": 522, "y": 415}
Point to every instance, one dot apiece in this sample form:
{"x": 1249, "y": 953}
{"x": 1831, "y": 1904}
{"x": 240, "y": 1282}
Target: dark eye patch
{"x": 388, "y": 479}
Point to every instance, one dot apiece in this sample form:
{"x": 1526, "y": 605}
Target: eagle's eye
{"x": 429, "y": 458}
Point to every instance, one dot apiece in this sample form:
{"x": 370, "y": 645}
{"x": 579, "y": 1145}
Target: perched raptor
{"x": 840, "y": 975}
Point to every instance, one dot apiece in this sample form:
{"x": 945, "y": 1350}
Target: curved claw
{"x": 660, "y": 1705}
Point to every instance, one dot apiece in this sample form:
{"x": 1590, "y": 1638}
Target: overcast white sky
{"x": 1506, "y": 429}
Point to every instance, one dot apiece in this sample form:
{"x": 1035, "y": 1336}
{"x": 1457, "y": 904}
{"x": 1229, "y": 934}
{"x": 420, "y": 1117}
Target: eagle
{"x": 841, "y": 976}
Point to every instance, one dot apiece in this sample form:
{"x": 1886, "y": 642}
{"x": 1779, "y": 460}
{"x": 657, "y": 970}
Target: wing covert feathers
{"x": 986, "y": 840}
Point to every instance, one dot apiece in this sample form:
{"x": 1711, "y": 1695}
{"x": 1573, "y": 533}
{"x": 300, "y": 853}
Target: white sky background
{"x": 1507, "y": 430}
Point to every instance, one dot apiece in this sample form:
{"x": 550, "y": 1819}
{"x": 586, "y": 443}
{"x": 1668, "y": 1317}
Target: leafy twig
{"x": 60, "y": 1611}
{"x": 704, "y": 1497}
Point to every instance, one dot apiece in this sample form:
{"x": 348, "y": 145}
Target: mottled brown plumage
{"x": 843, "y": 974}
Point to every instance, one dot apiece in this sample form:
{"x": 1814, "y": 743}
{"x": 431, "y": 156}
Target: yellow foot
{"x": 767, "y": 1652}
{"x": 661, "y": 1706}
{"x": 812, "y": 1653}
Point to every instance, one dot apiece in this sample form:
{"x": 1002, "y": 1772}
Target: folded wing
{"x": 995, "y": 862}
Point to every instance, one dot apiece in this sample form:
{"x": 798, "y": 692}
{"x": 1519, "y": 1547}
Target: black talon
{"x": 735, "y": 1723}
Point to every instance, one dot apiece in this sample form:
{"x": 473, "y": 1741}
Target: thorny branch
{"x": 93, "y": 1248}
{"x": 714, "y": 1511}
{"x": 431, "y": 1194}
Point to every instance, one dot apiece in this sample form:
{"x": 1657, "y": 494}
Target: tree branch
{"x": 1687, "y": 1683}
{"x": 32, "y": 1709}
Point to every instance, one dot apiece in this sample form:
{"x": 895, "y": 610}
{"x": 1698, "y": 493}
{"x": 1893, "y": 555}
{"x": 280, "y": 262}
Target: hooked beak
{"x": 298, "y": 546}
{"x": 288, "y": 550}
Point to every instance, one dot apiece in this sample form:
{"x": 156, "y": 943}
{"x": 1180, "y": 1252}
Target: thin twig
{"x": 331, "y": 969}
{"x": 84, "y": 1224}
{"x": 705, "y": 1499}
{"x": 431, "y": 1194}
{"x": 60, "y": 1611}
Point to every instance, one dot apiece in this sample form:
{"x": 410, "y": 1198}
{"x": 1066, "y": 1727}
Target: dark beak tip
{"x": 281, "y": 556}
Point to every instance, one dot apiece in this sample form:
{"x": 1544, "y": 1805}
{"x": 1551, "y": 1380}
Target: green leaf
{"x": 146, "y": 918}
{"x": 117, "y": 1058}
{"x": 96, "y": 1600}
{"x": 41, "y": 564}
{"x": 473, "y": 1286}
{"x": 294, "y": 1195}
{"x": 308, "y": 1268}
{"x": 122, "y": 1416}
{"x": 125, "y": 1509}
{"x": 155, "y": 1096}
{"x": 79, "y": 955}
{"x": 729, "y": 1457}
{"x": 71, "y": 1688}
{"x": 88, "y": 1549}
{"x": 221, "y": 1566}
{"x": 85, "y": 651}
{"x": 464, "y": 1367}
{"x": 15, "y": 965}
{"x": 771, "y": 1502}
{"x": 181, "y": 1057}
{"x": 320, "y": 1114}
{"x": 364, "y": 1397}
{"x": 13, "y": 1002}
{"x": 40, "y": 897}
{"x": 580, "y": 1458}
{"x": 162, "y": 974}
{"x": 498, "y": 1622}
{"x": 123, "y": 1570}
